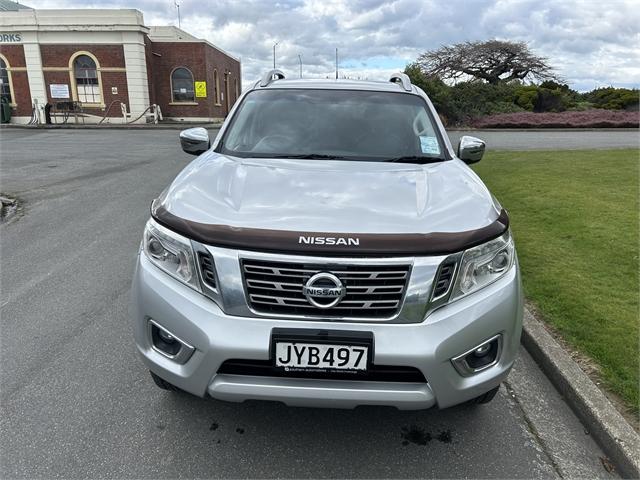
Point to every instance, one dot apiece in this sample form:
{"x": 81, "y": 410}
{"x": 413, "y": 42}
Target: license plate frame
{"x": 352, "y": 338}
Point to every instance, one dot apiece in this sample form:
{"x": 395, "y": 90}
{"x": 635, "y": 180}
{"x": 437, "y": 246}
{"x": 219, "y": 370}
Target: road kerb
{"x": 616, "y": 437}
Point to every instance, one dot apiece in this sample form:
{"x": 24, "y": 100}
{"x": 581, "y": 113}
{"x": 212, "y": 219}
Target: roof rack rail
{"x": 401, "y": 78}
{"x": 267, "y": 78}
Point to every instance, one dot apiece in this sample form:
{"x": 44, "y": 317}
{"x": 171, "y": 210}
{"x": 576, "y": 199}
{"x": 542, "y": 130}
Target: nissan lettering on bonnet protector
{"x": 329, "y": 241}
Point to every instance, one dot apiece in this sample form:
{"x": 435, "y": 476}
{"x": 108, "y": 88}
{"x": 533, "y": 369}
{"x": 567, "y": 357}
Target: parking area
{"x": 553, "y": 139}
{"x": 77, "y": 402}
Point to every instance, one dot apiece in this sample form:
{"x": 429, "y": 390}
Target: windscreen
{"x": 336, "y": 124}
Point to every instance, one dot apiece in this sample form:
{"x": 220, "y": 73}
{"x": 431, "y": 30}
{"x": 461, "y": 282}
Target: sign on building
{"x": 10, "y": 37}
{"x": 201, "y": 89}
{"x": 59, "y": 90}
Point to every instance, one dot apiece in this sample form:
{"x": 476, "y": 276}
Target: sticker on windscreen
{"x": 429, "y": 145}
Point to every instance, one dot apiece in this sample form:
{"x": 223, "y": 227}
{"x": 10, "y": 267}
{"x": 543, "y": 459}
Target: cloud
{"x": 590, "y": 43}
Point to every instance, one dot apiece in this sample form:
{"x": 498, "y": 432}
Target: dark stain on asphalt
{"x": 415, "y": 434}
{"x": 444, "y": 436}
{"x": 240, "y": 430}
{"x": 420, "y": 436}
{"x": 160, "y": 426}
{"x": 214, "y": 426}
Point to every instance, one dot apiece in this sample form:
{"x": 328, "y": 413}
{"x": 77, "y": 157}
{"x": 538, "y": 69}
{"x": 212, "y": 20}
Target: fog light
{"x": 166, "y": 336}
{"x": 167, "y": 344}
{"x": 483, "y": 350}
{"x": 479, "y": 357}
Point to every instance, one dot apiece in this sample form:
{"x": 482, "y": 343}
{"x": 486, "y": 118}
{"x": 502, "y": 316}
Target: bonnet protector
{"x": 285, "y": 241}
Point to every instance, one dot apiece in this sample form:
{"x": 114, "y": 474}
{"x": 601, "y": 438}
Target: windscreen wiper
{"x": 421, "y": 159}
{"x": 310, "y": 156}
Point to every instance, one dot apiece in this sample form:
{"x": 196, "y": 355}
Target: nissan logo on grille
{"x": 324, "y": 290}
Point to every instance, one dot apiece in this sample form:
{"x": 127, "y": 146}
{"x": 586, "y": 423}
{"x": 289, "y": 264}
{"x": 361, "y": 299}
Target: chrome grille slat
{"x": 372, "y": 291}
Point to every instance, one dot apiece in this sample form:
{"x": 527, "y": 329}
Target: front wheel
{"x": 485, "y": 397}
{"x": 163, "y": 384}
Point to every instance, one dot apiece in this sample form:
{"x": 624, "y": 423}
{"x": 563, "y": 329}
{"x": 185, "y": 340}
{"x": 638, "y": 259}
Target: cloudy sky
{"x": 591, "y": 43}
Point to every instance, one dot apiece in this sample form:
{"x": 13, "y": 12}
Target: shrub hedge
{"x": 465, "y": 102}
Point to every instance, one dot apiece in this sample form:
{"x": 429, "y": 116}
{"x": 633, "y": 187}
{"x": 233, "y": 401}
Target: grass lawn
{"x": 574, "y": 216}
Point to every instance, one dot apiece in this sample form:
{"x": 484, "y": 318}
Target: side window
{"x": 5, "y": 82}
{"x": 182, "y": 85}
{"x": 85, "y": 74}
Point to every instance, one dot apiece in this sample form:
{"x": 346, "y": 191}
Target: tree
{"x": 494, "y": 61}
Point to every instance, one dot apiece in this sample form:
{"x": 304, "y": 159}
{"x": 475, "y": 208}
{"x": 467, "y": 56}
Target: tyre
{"x": 485, "y": 397}
{"x": 163, "y": 384}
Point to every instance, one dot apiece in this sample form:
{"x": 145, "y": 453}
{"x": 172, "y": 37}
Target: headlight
{"x": 170, "y": 252}
{"x": 484, "y": 264}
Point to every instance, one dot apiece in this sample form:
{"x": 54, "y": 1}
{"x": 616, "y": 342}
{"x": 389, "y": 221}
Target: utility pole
{"x": 336, "y": 63}
{"x": 300, "y": 60}
{"x": 175, "y": 2}
{"x": 274, "y": 54}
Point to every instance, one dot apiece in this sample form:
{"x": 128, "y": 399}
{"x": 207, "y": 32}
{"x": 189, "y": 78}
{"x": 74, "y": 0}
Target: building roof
{"x": 170, "y": 33}
{"x": 11, "y": 6}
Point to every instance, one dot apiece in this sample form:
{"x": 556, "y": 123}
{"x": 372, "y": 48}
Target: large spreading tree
{"x": 494, "y": 61}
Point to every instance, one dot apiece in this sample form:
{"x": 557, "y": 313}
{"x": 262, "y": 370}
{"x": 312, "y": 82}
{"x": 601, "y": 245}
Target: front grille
{"x": 372, "y": 291}
{"x": 375, "y": 373}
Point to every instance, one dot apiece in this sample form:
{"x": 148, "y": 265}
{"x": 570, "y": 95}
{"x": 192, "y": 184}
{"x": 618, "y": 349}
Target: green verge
{"x": 574, "y": 216}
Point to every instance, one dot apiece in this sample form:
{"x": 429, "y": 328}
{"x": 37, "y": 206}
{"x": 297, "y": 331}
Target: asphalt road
{"x": 76, "y": 402}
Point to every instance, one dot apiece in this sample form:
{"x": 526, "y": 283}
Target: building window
{"x": 6, "y": 89}
{"x": 85, "y": 72}
{"x": 182, "y": 85}
{"x": 235, "y": 85}
{"x": 216, "y": 87}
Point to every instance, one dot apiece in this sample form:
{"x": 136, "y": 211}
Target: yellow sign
{"x": 201, "y": 89}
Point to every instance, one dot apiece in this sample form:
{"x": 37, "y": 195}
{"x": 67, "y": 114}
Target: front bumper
{"x": 428, "y": 346}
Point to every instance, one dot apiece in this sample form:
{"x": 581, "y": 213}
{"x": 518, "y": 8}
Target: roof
{"x": 11, "y": 6}
{"x": 338, "y": 84}
{"x": 170, "y": 33}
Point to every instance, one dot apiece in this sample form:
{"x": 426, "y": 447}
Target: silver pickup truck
{"x": 329, "y": 248}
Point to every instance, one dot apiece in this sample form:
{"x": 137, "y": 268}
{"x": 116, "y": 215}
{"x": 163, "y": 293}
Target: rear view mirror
{"x": 195, "y": 141}
{"x": 470, "y": 149}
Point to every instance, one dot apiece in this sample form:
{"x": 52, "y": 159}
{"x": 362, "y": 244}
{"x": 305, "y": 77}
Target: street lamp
{"x": 300, "y": 60}
{"x": 274, "y": 54}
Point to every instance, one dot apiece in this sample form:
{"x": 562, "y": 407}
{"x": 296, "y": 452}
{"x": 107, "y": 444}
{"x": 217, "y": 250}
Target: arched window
{"x": 85, "y": 74}
{"x": 216, "y": 87}
{"x": 6, "y": 88}
{"x": 182, "y": 85}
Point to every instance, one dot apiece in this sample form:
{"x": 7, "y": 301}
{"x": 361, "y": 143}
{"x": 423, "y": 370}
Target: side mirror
{"x": 194, "y": 141}
{"x": 470, "y": 149}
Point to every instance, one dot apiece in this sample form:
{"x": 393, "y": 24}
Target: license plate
{"x": 295, "y": 355}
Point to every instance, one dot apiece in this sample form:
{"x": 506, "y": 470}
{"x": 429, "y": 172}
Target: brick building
{"x": 92, "y": 61}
